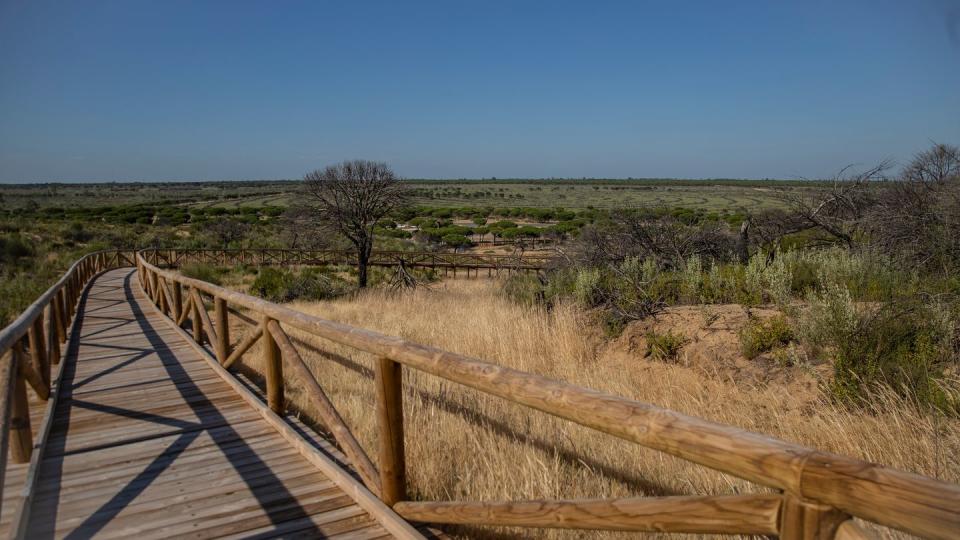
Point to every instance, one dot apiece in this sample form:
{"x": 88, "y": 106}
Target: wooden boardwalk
{"x": 148, "y": 441}
{"x": 144, "y": 432}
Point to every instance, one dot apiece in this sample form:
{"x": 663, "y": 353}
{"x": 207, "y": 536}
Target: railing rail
{"x": 32, "y": 344}
{"x": 414, "y": 259}
{"x": 818, "y": 492}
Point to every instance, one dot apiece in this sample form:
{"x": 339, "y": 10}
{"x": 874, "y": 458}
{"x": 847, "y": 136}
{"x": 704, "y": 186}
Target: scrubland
{"x": 462, "y": 445}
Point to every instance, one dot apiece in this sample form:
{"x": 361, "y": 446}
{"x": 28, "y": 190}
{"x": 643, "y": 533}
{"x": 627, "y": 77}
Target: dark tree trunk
{"x": 363, "y": 261}
{"x": 743, "y": 243}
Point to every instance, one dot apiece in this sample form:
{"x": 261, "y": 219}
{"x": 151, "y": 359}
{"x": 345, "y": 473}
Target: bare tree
{"x": 838, "y": 210}
{"x": 638, "y": 233}
{"x": 917, "y": 217}
{"x": 349, "y": 198}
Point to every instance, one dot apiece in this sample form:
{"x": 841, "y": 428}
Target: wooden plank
{"x": 167, "y": 516}
{"x": 125, "y": 416}
{"x": 321, "y": 525}
{"x": 160, "y": 504}
{"x": 212, "y": 469}
{"x": 731, "y": 514}
{"x": 189, "y": 465}
{"x": 370, "y": 503}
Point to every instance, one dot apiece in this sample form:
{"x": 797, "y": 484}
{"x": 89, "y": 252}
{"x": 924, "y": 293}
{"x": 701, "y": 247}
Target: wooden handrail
{"x": 819, "y": 487}
{"x": 729, "y": 514}
{"x": 328, "y": 413}
{"x": 31, "y": 344}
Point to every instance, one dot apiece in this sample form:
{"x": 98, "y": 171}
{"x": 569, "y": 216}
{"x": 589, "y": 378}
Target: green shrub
{"x": 587, "y": 289}
{"x": 759, "y": 336}
{"x": 664, "y": 346}
{"x": 524, "y": 289}
{"x": 906, "y": 346}
{"x": 282, "y": 285}
{"x": 203, "y": 272}
{"x": 14, "y": 247}
{"x": 456, "y": 240}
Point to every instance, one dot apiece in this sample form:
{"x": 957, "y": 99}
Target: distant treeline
{"x": 160, "y": 214}
{"x": 226, "y": 184}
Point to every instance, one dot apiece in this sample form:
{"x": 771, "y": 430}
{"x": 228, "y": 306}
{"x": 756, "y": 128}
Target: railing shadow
{"x": 502, "y": 429}
{"x": 271, "y": 495}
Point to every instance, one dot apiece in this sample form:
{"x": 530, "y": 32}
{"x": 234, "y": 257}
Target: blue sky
{"x": 191, "y": 90}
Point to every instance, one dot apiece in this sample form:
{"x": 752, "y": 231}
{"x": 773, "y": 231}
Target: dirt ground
{"x": 712, "y": 349}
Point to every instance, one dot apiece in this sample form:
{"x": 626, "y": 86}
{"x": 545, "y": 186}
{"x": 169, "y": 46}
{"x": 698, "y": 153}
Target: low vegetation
{"x": 863, "y": 284}
{"x": 760, "y": 336}
{"x": 665, "y": 346}
{"x": 462, "y": 445}
{"x": 846, "y": 294}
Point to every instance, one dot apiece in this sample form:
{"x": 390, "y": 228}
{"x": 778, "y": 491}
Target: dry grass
{"x": 462, "y": 445}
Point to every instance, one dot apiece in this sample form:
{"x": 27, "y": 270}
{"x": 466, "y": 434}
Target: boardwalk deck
{"x": 148, "y": 441}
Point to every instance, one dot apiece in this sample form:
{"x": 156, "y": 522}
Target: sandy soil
{"x": 712, "y": 349}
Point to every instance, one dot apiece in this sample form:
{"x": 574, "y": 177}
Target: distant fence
{"x": 817, "y": 493}
{"x": 445, "y": 261}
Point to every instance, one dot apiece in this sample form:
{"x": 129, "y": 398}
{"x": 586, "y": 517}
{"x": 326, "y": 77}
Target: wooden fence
{"x": 816, "y": 495}
{"x": 31, "y": 345}
{"x": 443, "y": 261}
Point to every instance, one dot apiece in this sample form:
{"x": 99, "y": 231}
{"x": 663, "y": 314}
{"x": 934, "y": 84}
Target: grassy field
{"x": 601, "y": 195}
{"x": 463, "y": 445}
{"x": 711, "y": 195}
{"x": 14, "y": 196}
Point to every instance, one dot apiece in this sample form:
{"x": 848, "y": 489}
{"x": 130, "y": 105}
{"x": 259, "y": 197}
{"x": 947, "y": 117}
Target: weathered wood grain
{"x": 393, "y": 468}
{"x": 731, "y": 514}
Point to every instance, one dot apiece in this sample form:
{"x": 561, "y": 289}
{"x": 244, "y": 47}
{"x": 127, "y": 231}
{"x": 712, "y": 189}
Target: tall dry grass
{"x": 462, "y": 445}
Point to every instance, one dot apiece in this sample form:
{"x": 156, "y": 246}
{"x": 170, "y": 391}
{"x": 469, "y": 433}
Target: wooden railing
{"x": 470, "y": 262}
{"x": 817, "y": 493}
{"x": 31, "y": 345}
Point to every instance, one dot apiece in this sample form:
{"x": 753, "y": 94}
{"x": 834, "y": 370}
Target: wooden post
{"x": 8, "y": 374}
{"x": 50, "y": 334}
{"x": 155, "y": 289}
{"x": 223, "y": 328}
{"x": 808, "y": 520}
{"x": 393, "y": 470}
{"x": 38, "y": 350}
{"x": 197, "y": 323}
{"x": 274, "y": 369}
{"x": 21, "y": 440}
{"x": 161, "y": 299}
{"x": 61, "y": 326}
{"x": 177, "y": 300}
{"x": 68, "y": 297}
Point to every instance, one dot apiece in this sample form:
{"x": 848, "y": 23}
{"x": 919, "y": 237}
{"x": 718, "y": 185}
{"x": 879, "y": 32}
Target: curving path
{"x": 147, "y": 441}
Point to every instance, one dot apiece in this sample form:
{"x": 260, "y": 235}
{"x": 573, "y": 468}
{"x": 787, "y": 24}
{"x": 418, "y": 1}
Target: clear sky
{"x": 204, "y": 90}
